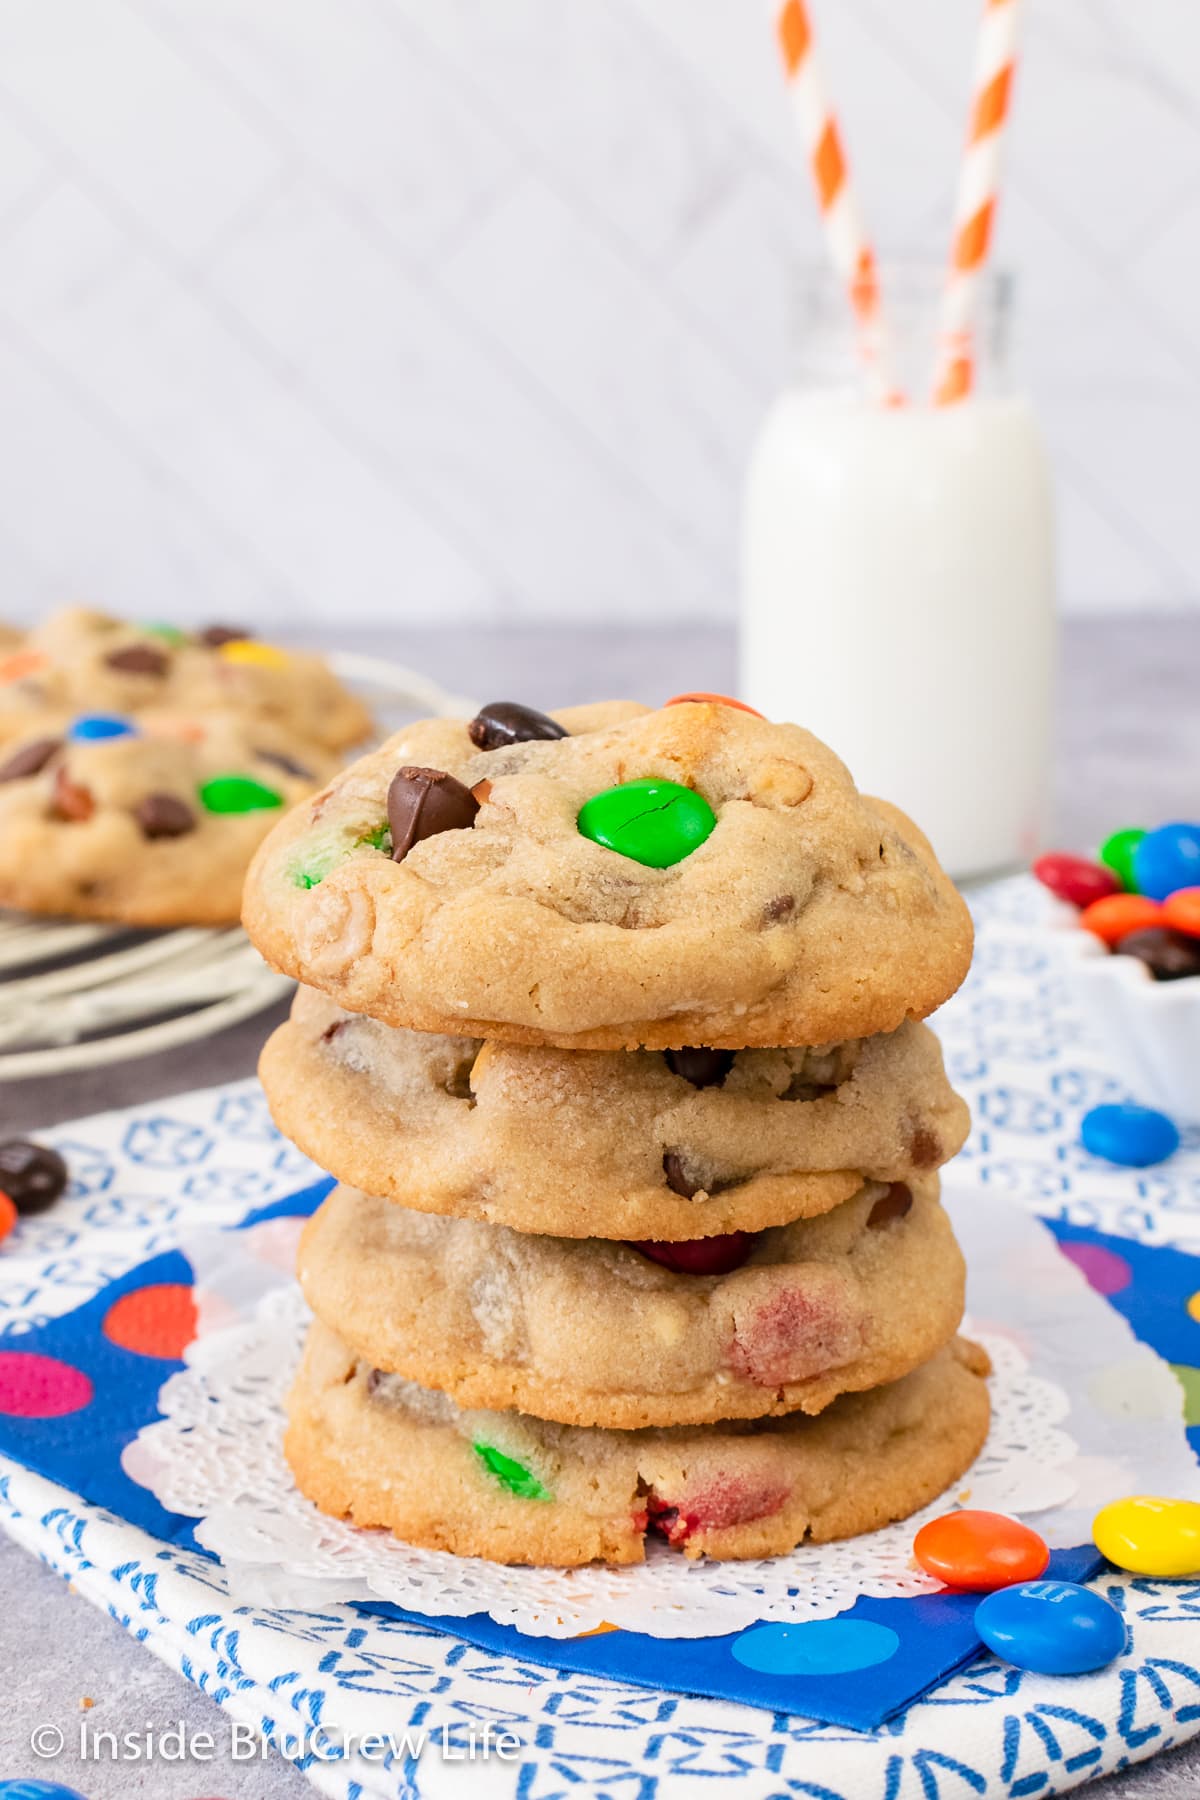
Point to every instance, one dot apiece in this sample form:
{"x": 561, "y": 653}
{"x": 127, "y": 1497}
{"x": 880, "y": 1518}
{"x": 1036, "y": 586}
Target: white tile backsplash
{"x": 392, "y": 309}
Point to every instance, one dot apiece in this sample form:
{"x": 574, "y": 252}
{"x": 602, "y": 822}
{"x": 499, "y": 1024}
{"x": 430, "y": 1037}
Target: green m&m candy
{"x": 511, "y": 1474}
{"x": 1117, "y": 851}
{"x": 238, "y": 794}
{"x": 650, "y": 821}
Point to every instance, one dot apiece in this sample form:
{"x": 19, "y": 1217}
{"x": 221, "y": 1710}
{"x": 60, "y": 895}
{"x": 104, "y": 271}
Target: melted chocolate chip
{"x": 422, "y": 803}
{"x": 677, "y": 1181}
{"x": 926, "y": 1148}
{"x": 138, "y": 659}
{"x": 782, "y": 907}
{"x": 331, "y": 1031}
{"x": 216, "y": 635}
{"x": 288, "y": 764}
{"x": 30, "y": 759}
{"x": 374, "y": 1378}
{"x": 32, "y": 1175}
{"x": 702, "y": 1067}
{"x": 1169, "y": 955}
{"x": 895, "y": 1204}
{"x": 508, "y": 722}
{"x": 71, "y": 800}
{"x": 164, "y": 816}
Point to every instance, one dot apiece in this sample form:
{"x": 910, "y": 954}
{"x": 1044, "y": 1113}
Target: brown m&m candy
{"x": 32, "y": 1175}
{"x": 213, "y": 636}
{"x": 508, "y": 722}
{"x": 1169, "y": 955}
{"x": 164, "y": 816}
{"x": 71, "y": 800}
{"x": 421, "y": 803}
{"x": 30, "y": 759}
{"x": 138, "y": 659}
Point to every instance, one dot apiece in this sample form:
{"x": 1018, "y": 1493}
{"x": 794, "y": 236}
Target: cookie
{"x": 738, "y": 890}
{"x": 147, "y": 822}
{"x": 82, "y": 661}
{"x": 381, "y": 1451}
{"x": 617, "y": 1143}
{"x": 590, "y": 1332}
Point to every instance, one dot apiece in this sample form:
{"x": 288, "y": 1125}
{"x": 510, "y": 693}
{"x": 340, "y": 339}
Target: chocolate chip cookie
{"x": 147, "y": 821}
{"x": 622, "y": 1144}
{"x": 590, "y": 1332}
{"x": 381, "y": 1451}
{"x": 691, "y": 876}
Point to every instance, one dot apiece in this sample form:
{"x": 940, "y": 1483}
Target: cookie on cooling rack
{"x": 147, "y": 821}
{"x": 590, "y": 1332}
{"x": 81, "y": 660}
{"x": 611, "y": 877}
{"x": 381, "y": 1451}
{"x": 618, "y": 1144}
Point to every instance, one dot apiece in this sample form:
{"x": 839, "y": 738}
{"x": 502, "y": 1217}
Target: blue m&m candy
{"x": 1051, "y": 1627}
{"x": 1136, "y": 1137}
{"x": 91, "y": 728}
{"x": 1167, "y": 859}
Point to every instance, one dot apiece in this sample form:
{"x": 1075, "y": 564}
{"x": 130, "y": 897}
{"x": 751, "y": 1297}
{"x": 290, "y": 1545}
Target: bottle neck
{"x": 906, "y": 353}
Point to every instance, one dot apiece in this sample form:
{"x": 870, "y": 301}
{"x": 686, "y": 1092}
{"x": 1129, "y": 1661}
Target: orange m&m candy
{"x": 1117, "y": 915}
{"x": 712, "y": 700}
{"x": 8, "y": 1214}
{"x": 981, "y": 1551}
{"x": 20, "y": 664}
{"x": 1181, "y": 911}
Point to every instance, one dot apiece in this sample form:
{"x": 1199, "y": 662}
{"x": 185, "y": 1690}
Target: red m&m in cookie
{"x": 980, "y": 1551}
{"x": 701, "y": 699}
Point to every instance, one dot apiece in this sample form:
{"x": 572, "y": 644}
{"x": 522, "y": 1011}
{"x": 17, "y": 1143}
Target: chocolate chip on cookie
{"x": 895, "y": 1204}
{"x": 30, "y": 759}
{"x": 71, "y": 800}
{"x": 288, "y": 764}
{"x": 421, "y": 803}
{"x": 164, "y": 816}
{"x": 508, "y": 722}
{"x": 213, "y": 636}
{"x": 702, "y": 1067}
{"x": 138, "y": 659}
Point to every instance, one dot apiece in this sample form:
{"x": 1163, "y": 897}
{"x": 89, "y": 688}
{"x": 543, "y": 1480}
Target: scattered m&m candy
{"x": 1167, "y": 859}
{"x": 1117, "y": 853}
{"x": 1168, "y": 955}
{"x": 1181, "y": 911}
{"x": 1116, "y": 915}
{"x": 94, "y": 728}
{"x": 8, "y": 1214}
{"x": 1150, "y": 1536}
{"x": 1136, "y": 1137}
{"x": 1051, "y": 1627}
{"x": 981, "y": 1551}
{"x": 238, "y": 794}
{"x": 1075, "y": 879}
{"x": 656, "y": 823}
{"x": 32, "y": 1175}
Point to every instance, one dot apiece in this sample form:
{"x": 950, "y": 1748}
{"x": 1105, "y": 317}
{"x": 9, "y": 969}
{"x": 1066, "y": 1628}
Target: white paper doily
{"x": 217, "y": 1456}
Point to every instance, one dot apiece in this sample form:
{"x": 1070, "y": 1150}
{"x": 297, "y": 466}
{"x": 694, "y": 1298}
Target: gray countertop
{"x": 1127, "y": 749}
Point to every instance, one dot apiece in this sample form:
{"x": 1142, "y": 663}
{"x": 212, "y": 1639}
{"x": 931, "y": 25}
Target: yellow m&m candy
{"x": 1150, "y": 1536}
{"x": 250, "y": 653}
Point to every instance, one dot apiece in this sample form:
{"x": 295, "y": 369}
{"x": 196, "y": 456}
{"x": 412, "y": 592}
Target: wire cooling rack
{"x": 73, "y": 994}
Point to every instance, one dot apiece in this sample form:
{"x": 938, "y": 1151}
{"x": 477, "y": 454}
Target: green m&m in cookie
{"x": 650, "y": 821}
{"x": 510, "y": 1473}
{"x": 238, "y": 794}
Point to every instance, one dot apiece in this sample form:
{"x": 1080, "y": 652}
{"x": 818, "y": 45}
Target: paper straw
{"x": 853, "y": 258}
{"x": 975, "y": 204}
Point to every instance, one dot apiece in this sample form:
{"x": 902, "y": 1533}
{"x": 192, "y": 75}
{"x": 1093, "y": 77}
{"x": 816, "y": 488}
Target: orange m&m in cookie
{"x": 699, "y": 699}
{"x": 981, "y": 1551}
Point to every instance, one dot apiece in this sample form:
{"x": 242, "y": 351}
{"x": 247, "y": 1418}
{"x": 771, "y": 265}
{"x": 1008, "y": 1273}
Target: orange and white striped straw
{"x": 853, "y": 258}
{"x": 975, "y": 204}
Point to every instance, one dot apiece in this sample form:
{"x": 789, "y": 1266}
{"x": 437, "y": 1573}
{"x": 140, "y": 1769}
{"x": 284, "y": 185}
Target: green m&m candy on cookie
{"x": 653, "y": 822}
{"x": 238, "y": 794}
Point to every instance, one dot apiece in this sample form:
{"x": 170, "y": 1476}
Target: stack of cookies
{"x": 611, "y": 1031}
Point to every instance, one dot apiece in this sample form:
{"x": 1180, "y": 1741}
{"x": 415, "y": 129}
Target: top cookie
{"x": 754, "y": 897}
{"x": 81, "y": 661}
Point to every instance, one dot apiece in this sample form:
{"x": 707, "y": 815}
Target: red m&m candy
{"x": 1074, "y": 878}
{"x": 980, "y": 1551}
{"x": 8, "y": 1214}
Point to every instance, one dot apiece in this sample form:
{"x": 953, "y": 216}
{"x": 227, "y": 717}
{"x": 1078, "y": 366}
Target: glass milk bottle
{"x": 898, "y": 577}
